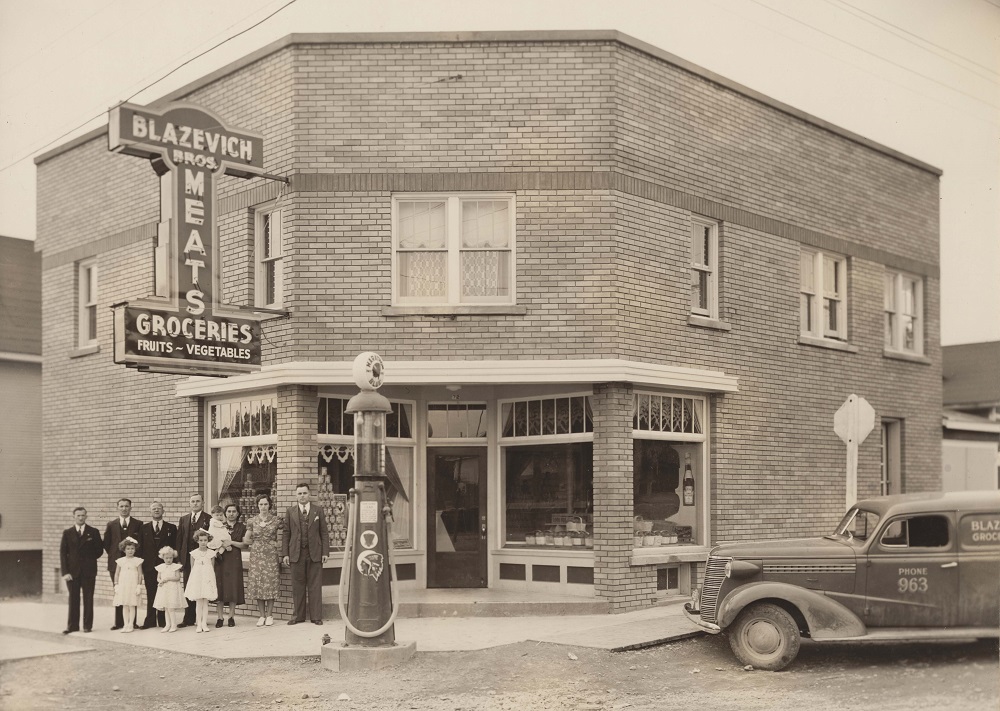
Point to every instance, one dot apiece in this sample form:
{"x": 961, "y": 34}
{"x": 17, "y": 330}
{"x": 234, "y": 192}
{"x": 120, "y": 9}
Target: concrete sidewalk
{"x": 432, "y": 634}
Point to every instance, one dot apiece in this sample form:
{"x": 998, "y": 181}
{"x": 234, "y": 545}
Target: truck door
{"x": 979, "y": 569}
{"x": 913, "y": 573}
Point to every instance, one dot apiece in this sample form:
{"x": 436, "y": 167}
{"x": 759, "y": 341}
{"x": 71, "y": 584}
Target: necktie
{"x": 80, "y": 530}
{"x": 156, "y": 528}
{"x": 303, "y": 510}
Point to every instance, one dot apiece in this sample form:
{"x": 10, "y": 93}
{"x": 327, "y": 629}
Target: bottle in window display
{"x": 688, "y": 491}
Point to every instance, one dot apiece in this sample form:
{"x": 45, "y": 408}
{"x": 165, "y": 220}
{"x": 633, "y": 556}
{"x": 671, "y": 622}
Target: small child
{"x": 201, "y": 583}
{"x": 221, "y": 537}
{"x": 128, "y": 581}
{"x": 169, "y": 593}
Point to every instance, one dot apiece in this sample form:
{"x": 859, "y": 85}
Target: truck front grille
{"x": 715, "y": 574}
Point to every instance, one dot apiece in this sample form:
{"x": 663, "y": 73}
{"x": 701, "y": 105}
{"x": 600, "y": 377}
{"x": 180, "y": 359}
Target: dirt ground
{"x": 697, "y": 673}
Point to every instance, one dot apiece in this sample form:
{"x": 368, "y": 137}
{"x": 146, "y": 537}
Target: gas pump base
{"x": 340, "y": 657}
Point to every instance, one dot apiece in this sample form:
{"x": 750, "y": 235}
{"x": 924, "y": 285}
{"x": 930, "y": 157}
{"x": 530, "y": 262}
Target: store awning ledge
{"x": 469, "y": 372}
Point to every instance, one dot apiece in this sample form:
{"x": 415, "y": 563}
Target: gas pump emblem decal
{"x": 370, "y": 564}
{"x": 369, "y": 539}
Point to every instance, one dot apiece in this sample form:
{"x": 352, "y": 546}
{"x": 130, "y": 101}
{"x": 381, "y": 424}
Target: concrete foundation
{"x": 339, "y": 657}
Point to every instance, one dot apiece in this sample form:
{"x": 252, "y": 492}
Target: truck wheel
{"x": 765, "y": 637}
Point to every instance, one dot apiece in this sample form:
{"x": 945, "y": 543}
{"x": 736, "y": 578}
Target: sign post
{"x": 188, "y": 329}
{"x": 853, "y": 422}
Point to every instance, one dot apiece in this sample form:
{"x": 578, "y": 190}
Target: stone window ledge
{"x": 827, "y": 343}
{"x": 705, "y": 322}
{"x": 452, "y": 311}
{"x": 908, "y": 357}
{"x": 84, "y": 351}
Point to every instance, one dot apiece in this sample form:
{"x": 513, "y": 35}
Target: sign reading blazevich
{"x": 188, "y": 329}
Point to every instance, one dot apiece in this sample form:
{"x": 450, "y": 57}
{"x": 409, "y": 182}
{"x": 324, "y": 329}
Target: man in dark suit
{"x": 189, "y": 523}
{"x": 155, "y": 534}
{"x": 305, "y": 546}
{"x": 117, "y": 530}
{"x": 78, "y": 553}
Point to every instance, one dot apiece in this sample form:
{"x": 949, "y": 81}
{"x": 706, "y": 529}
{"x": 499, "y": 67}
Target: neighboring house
{"x": 606, "y": 283}
{"x": 21, "y": 418}
{"x": 971, "y": 437}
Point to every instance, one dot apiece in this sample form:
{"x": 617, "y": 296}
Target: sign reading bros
{"x": 189, "y": 329}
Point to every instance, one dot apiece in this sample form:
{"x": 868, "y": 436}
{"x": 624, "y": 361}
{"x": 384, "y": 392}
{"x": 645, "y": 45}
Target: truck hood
{"x": 825, "y": 548}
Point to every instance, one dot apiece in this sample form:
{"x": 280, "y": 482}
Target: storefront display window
{"x": 335, "y": 462}
{"x": 667, "y": 475}
{"x": 243, "y": 441}
{"x": 547, "y": 460}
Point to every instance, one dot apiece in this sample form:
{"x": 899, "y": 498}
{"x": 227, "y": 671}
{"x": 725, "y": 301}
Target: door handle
{"x": 949, "y": 565}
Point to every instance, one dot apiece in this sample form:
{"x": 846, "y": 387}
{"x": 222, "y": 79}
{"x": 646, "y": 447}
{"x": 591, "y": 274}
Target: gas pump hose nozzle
{"x": 347, "y": 572}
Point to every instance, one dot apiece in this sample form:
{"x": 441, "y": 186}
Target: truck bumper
{"x": 695, "y": 617}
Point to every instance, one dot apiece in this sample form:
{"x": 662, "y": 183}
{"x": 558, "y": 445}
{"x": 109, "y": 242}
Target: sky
{"x": 918, "y": 76}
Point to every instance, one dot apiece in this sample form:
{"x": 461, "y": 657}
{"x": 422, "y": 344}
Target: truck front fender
{"x": 825, "y": 617}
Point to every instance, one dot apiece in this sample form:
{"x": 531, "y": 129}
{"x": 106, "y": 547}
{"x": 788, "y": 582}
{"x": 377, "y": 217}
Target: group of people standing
{"x": 179, "y": 567}
{"x": 184, "y": 567}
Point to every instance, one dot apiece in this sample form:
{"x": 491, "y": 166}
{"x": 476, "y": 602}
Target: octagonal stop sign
{"x": 853, "y": 422}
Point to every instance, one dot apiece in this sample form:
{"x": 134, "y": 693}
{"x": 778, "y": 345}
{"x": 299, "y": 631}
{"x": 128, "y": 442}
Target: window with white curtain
{"x": 704, "y": 267}
{"x": 904, "y": 306}
{"x": 86, "y": 277}
{"x": 823, "y": 295}
{"x": 243, "y": 445}
{"x": 453, "y": 249}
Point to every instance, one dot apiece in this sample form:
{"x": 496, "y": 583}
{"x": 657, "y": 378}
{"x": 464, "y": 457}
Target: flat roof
{"x": 488, "y": 37}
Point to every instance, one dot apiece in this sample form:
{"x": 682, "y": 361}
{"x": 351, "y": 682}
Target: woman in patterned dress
{"x": 262, "y": 581}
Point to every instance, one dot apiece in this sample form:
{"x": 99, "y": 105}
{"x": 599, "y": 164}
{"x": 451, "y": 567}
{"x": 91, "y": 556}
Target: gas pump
{"x": 367, "y": 576}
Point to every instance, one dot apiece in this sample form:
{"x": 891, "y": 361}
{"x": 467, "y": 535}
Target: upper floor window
{"x": 904, "y": 297}
{"x": 704, "y": 267}
{"x": 453, "y": 249}
{"x": 823, "y": 295}
{"x": 86, "y": 315}
{"x": 269, "y": 260}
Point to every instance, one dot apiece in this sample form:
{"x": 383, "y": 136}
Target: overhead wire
{"x": 878, "y": 21}
{"x": 153, "y": 83}
{"x": 873, "y": 54}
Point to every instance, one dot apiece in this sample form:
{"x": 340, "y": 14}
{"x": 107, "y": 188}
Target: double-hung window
{"x": 704, "y": 267}
{"x": 453, "y": 250}
{"x": 270, "y": 254}
{"x": 904, "y": 297}
{"x": 823, "y": 295}
{"x": 86, "y": 315}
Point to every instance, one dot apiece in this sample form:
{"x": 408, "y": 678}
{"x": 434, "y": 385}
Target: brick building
{"x": 21, "y": 418}
{"x": 614, "y": 292}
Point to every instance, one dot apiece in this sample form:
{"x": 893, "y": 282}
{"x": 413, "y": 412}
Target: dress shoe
{"x": 317, "y": 622}
{"x": 294, "y": 622}
{"x": 116, "y": 627}
{"x": 185, "y": 624}
{"x": 231, "y": 622}
{"x": 86, "y": 629}
{"x": 219, "y": 622}
{"x": 148, "y": 626}
{"x": 67, "y": 631}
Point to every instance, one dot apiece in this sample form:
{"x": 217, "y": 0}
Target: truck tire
{"x": 765, "y": 637}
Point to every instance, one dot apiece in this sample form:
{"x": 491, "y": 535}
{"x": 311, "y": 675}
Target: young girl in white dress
{"x": 201, "y": 584}
{"x": 169, "y": 593}
{"x": 128, "y": 581}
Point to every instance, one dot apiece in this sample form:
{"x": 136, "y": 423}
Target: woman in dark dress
{"x": 229, "y": 568}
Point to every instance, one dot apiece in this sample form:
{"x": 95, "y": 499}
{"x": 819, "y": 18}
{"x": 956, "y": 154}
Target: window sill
{"x": 452, "y": 311}
{"x": 84, "y": 351}
{"x": 706, "y": 322}
{"x": 908, "y": 357}
{"x": 669, "y": 554}
{"x": 828, "y": 343}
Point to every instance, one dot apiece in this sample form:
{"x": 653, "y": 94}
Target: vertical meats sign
{"x": 189, "y": 329}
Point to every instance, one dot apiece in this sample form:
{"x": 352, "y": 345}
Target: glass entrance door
{"x": 456, "y": 517}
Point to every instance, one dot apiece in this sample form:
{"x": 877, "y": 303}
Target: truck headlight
{"x": 729, "y": 569}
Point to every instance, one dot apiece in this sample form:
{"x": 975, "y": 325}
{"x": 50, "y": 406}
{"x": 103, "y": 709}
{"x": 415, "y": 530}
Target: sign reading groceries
{"x": 187, "y": 329}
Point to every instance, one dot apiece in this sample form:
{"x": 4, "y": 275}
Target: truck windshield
{"x": 857, "y": 524}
